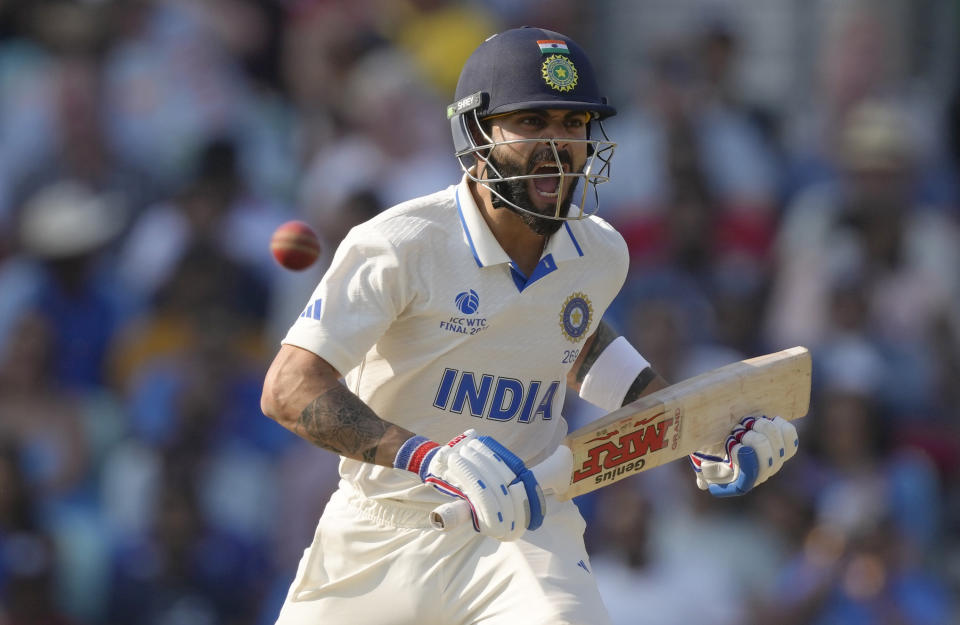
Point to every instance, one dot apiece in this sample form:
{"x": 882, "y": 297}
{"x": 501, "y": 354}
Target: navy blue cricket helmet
{"x": 524, "y": 69}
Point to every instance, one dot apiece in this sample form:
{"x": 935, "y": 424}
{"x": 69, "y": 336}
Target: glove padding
{"x": 754, "y": 450}
{"x": 504, "y": 496}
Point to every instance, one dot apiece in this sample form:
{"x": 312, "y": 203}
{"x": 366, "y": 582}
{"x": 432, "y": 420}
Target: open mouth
{"x": 549, "y": 185}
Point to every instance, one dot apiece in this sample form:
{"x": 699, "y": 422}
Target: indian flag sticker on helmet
{"x": 559, "y": 72}
{"x": 553, "y": 46}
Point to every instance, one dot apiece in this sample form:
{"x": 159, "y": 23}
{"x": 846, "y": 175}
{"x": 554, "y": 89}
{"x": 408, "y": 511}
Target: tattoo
{"x": 636, "y": 389}
{"x": 603, "y": 337}
{"x": 337, "y": 420}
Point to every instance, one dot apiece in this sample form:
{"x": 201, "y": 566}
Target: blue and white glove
{"x": 504, "y": 496}
{"x": 754, "y": 450}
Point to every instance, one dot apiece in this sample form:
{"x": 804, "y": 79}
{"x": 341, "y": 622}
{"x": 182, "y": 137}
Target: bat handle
{"x": 447, "y": 516}
{"x": 553, "y": 475}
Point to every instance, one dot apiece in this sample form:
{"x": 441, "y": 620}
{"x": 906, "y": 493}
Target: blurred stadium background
{"x": 786, "y": 174}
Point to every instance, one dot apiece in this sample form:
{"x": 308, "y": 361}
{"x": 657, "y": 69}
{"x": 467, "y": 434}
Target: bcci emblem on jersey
{"x": 575, "y": 317}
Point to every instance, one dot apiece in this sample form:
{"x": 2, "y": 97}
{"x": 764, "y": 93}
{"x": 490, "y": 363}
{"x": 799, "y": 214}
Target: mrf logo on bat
{"x": 620, "y": 451}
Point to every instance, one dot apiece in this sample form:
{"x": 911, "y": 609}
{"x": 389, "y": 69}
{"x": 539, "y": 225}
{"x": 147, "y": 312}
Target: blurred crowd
{"x": 777, "y": 184}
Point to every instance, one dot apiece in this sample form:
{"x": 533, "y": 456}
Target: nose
{"x": 560, "y": 131}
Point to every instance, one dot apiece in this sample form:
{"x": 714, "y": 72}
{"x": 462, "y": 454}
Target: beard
{"x": 516, "y": 191}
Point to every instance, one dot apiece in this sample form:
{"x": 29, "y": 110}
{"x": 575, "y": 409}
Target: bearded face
{"x": 521, "y": 192}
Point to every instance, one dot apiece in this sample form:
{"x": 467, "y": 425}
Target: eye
{"x": 575, "y": 122}
{"x": 532, "y": 121}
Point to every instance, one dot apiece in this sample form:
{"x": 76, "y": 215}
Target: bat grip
{"x": 553, "y": 475}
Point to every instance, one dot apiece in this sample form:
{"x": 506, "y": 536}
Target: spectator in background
{"x": 172, "y": 86}
{"x": 216, "y": 212}
{"x": 684, "y": 132}
{"x": 857, "y": 60}
{"x": 650, "y": 533}
{"x": 190, "y": 375}
{"x": 857, "y": 575}
{"x": 437, "y": 36}
{"x": 864, "y": 235}
{"x": 81, "y": 147}
{"x": 863, "y": 54}
{"x": 182, "y": 570}
{"x": 861, "y": 454}
{"x": 390, "y": 142}
{"x": 47, "y": 424}
{"x": 27, "y": 553}
{"x": 27, "y": 87}
{"x": 62, "y": 275}
{"x": 321, "y": 42}
{"x": 874, "y": 544}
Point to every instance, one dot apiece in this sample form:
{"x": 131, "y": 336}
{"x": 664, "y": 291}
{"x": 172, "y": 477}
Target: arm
{"x": 646, "y": 382}
{"x": 302, "y": 392}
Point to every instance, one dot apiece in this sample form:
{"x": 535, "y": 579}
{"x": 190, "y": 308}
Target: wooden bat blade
{"x": 687, "y": 416}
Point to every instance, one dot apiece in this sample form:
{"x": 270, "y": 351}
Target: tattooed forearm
{"x": 337, "y": 420}
{"x": 603, "y": 337}
{"x": 639, "y": 385}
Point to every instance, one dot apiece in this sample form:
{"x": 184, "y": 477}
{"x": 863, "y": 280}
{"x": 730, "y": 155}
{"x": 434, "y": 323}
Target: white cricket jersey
{"x": 438, "y": 331}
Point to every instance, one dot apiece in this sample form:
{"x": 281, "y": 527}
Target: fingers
{"x": 521, "y": 503}
{"x": 499, "y": 510}
{"x": 746, "y": 479}
{"x": 756, "y": 449}
{"x": 775, "y": 441}
{"x": 534, "y": 504}
{"x": 774, "y": 436}
{"x": 791, "y": 440}
{"x": 768, "y": 462}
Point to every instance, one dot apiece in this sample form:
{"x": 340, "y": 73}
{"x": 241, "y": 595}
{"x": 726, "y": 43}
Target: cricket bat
{"x": 671, "y": 423}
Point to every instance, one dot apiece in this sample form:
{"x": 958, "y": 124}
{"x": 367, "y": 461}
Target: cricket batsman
{"x": 457, "y": 321}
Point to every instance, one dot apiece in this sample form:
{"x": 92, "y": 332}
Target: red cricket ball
{"x": 295, "y": 245}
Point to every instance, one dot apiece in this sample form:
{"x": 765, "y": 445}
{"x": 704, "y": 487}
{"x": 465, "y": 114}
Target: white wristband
{"x": 610, "y": 377}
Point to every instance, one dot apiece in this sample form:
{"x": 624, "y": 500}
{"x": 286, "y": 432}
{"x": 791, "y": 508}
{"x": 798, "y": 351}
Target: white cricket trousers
{"x": 380, "y": 563}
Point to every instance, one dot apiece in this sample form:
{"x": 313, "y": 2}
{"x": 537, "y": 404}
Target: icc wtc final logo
{"x": 575, "y": 317}
{"x": 559, "y": 72}
{"x": 468, "y": 302}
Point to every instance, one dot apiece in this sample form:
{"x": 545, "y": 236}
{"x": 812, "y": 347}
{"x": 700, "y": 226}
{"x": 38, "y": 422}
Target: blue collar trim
{"x": 566, "y": 225}
{"x": 545, "y": 267}
{"x": 466, "y": 230}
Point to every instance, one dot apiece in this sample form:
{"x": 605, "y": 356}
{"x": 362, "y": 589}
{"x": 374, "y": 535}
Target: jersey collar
{"x": 486, "y": 250}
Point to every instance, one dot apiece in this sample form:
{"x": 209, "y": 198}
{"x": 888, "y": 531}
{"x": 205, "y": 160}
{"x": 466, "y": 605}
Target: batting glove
{"x": 754, "y": 450}
{"x": 504, "y": 496}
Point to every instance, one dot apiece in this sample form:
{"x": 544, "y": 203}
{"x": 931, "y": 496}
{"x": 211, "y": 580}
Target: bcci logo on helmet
{"x": 559, "y": 72}
{"x": 468, "y": 302}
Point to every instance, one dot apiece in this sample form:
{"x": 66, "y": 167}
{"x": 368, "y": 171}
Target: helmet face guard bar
{"x": 596, "y": 170}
